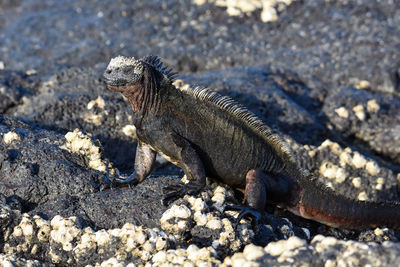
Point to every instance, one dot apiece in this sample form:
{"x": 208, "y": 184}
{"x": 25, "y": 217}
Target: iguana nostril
{"x": 108, "y": 71}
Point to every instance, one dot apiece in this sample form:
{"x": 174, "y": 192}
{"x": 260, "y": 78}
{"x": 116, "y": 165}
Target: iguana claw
{"x": 246, "y": 211}
{"x": 173, "y": 192}
{"x": 131, "y": 180}
{"x": 119, "y": 182}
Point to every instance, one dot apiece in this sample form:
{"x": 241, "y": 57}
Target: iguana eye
{"x": 127, "y": 70}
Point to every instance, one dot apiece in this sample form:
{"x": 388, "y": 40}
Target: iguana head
{"x": 123, "y": 72}
{"x": 137, "y": 79}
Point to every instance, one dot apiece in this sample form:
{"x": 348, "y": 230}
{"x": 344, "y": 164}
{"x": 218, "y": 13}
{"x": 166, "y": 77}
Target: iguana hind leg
{"x": 255, "y": 196}
{"x": 193, "y": 168}
{"x": 259, "y": 187}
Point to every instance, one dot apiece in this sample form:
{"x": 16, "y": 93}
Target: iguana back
{"x": 229, "y": 138}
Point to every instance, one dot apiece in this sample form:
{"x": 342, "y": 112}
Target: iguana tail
{"x": 323, "y": 205}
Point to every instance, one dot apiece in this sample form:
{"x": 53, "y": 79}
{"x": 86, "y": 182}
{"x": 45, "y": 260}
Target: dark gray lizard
{"x": 207, "y": 134}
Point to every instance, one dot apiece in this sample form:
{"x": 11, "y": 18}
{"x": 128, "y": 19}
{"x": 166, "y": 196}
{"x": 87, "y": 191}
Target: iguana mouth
{"x": 115, "y": 88}
{"x": 115, "y": 82}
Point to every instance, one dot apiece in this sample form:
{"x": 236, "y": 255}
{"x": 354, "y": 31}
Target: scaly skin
{"x": 206, "y": 134}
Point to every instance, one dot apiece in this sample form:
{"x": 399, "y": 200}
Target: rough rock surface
{"x": 35, "y": 169}
{"x": 325, "y": 74}
{"x": 370, "y": 117}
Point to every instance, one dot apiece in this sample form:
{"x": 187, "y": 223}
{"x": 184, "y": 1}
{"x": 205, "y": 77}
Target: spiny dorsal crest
{"x": 244, "y": 115}
{"x": 156, "y": 62}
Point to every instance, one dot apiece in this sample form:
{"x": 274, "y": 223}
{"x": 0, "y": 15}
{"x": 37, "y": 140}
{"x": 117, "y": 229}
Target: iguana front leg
{"x": 144, "y": 162}
{"x": 192, "y": 167}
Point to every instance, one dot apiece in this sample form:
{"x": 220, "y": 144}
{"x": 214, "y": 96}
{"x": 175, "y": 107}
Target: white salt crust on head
{"x": 121, "y": 61}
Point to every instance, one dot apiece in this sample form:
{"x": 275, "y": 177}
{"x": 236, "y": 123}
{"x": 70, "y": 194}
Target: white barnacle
{"x": 10, "y": 137}
{"x": 214, "y": 224}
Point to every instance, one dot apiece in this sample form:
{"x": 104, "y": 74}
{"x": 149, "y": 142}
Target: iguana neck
{"x": 146, "y": 97}
{"x": 136, "y": 96}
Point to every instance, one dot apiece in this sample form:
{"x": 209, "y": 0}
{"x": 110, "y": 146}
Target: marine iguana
{"x": 207, "y": 134}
